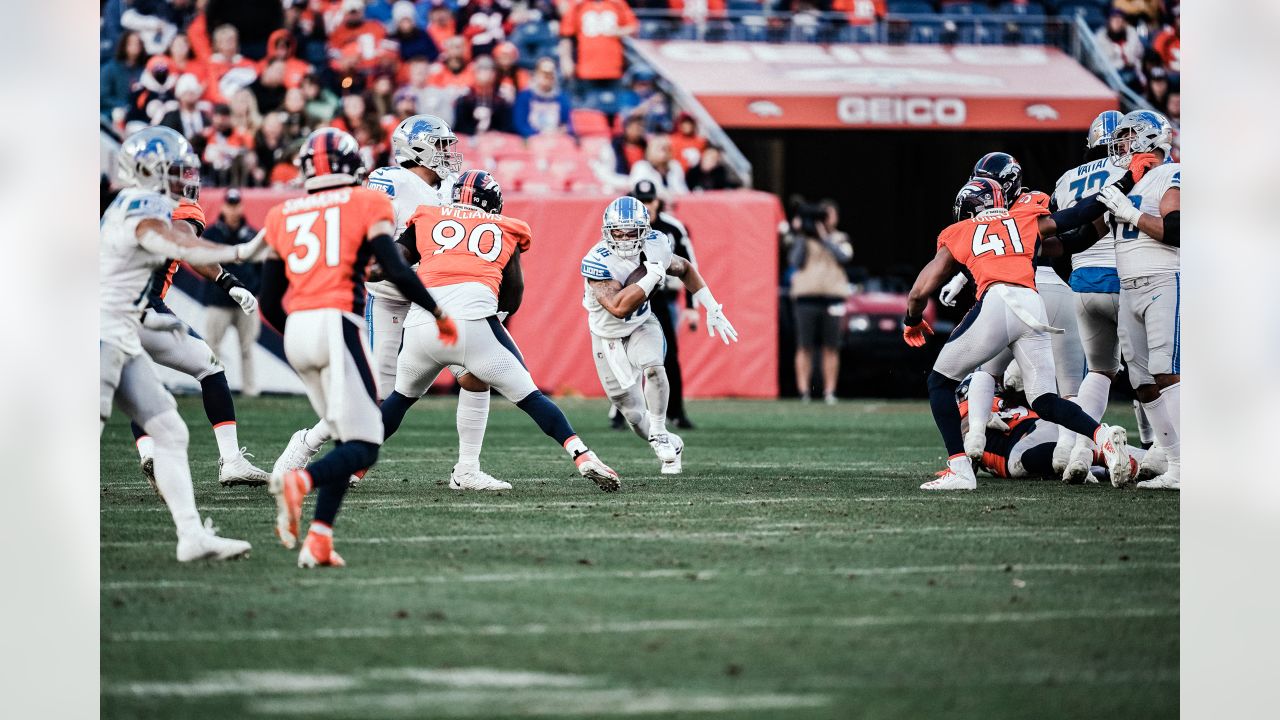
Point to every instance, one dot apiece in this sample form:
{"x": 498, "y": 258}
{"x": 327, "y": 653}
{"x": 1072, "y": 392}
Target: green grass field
{"x": 794, "y": 570}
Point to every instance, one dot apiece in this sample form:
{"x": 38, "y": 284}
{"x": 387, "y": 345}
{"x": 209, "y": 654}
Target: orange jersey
{"x": 323, "y": 240}
{"x": 461, "y": 244}
{"x": 998, "y": 245}
{"x": 594, "y": 24}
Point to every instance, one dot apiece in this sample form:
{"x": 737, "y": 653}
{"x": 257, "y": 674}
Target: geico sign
{"x": 921, "y": 111}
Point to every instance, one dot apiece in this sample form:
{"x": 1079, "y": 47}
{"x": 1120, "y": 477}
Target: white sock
{"x": 228, "y": 441}
{"x": 472, "y": 417}
{"x": 173, "y": 475}
{"x": 1094, "y": 391}
{"x": 657, "y": 425}
{"x": 1172, "y": 397}
{"x": 1145, "y": 432}
{"x": 316, "y": 437}
{"x": 1165, "y": 427}
{"x": 574, "y": 446}
{"x": 146, "y": 447}
{"x": 1067, "y": 438}
{"x": 982, "y": 390}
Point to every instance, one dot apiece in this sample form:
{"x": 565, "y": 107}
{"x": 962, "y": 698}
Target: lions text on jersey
{"x": 602, "y": 264}
{"x": 1137, "y": 253}
{"x": 407, "y": 192}
{"x": 125, "y": 268}
{"x": 1094, "y": 269}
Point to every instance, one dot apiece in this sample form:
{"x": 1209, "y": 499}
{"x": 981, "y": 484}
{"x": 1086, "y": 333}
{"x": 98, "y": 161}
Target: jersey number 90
{"x": 449, "y": 234}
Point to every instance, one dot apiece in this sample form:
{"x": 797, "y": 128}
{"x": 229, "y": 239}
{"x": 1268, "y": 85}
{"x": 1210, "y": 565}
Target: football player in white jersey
{"x": 137, "y": 236}
{"x": 1147, "y": 241}
{"x": 626, "y": 339}
{"x": 428, "y": 166}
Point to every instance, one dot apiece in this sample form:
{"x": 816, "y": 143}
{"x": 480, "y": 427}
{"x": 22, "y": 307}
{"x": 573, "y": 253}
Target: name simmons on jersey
{"x": 601, "y": 263}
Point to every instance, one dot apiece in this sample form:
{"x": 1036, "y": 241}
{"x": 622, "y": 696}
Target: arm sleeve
{"x": 1078, "y": 240}
{"x": 274, "y": 284}
{"x": 154, "y": 242}
{"x": 1172, "y": 234}
{"x": 1078, "y": 215}
{"x": 511, "y": 291}
{"x": 409, "y": 241}
{"x": 395, "y": 270}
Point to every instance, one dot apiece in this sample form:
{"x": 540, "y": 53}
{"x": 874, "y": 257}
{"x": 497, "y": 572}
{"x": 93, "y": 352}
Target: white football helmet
{"x": 427, "y": 141}
{"x": 1101, "y": 129}
{"x": 1141, "y": 131}
{"x": 625, "y": 226}
{"x": 161, "y": 160}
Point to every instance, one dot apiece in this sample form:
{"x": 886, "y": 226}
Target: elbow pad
{"x": 1171, "y": 233}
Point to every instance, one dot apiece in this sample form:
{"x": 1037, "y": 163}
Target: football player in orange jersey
{"x": 468, "y": 253}
{"x": 317, "y": 247}
{"x": 188, "y": 353}
{"x": 997, "y": 243}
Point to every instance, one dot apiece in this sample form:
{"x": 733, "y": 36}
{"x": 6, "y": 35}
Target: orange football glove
{"x": 448, "y": 331}
{"x": 192, "y": 213}
{"x": 1140, "y": 163}
{"x": 914, "y": 335}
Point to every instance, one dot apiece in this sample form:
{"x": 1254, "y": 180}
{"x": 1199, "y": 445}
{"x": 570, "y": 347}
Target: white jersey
{"x": 408, "y": 192}
{"x": 1077, "y": 184}
{"x": 1137, "y": 253}
{"x": 602, "y": 264}
{"x": 125, "y": 268}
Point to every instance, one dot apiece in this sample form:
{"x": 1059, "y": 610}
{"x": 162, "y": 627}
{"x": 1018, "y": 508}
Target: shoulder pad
{"x": 149, "y": 205}
{"x": 382, "y": 180}
{"x": 592, "y": 269}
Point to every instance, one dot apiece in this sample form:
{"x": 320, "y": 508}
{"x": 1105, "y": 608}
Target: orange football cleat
{"x": 289, "y": 490}
{"x": 317, "y": 549}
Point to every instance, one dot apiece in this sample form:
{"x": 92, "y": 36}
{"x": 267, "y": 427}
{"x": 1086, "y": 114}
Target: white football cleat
{"x": 675, "y": 467}
{"x": 204, "y": 544}
{"x": 590, "y": 467}
{"x": 149, "y": 472}
{"x": 1113, "y": 441}
{"x": 1162, "y": 482}
{"x": 663, "y": 447}
{"x": 958, "y": 476}
{"x": 473, "y": 478}
{"x": 1079, "y": 462}
{"x": 1154, "y": 463}
{"x": 975, "y": 444}
{"x": 239, "y": 471}
{"x": 296, "y": 454}
{"x": 1061, "y": 456}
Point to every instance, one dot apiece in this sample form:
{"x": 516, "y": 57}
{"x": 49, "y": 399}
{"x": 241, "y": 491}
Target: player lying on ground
{"x": 189, "y": 354}
{"x": 997, "y": 243}
{"x": 137, "y": 235}
{"x": 620, "y": 272}
{"x": 316, "y": 248}
{"x": 426, "y": 169}
{"x": 468, "y": 254}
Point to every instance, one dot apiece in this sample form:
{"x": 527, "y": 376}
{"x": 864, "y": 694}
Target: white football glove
{"x": 1121, "y": 207}
{"x": 717, "y": 322}
{"x": 951, "y": 290}
{"x": 245, "y": 299}
{"x": 164, "y": 322}
{"x": 995, "y": 422}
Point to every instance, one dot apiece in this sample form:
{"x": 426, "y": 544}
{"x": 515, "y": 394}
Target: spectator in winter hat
{"x": 414, "y": 41}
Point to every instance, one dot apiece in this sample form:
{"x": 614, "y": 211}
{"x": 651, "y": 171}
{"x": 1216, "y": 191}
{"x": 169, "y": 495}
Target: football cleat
{"x": 356, "y": 477}
{"x": 289, "y": 490}
{"x": 957, "y": 477}
{"x": 204, "y": 544}
{"x": 473, "y": 478}
{"x": 1061, "y": 456}
{"x": 239, "y": 471}
{"x": 1154, "y": 463}
{"x": 1078, "y": 463}
{"x": 1113, "y": 442}
{"x": 590, "y": 467}
{"x": 975, "y": 444}
{"x": 149, "y": 472}
{"x": 675, "y": 466}
{"x": 317, "y": 550}
{"x": 663, "y": 447}
{"x": 1168, "y": 481}
{"x": 296, "y": 454}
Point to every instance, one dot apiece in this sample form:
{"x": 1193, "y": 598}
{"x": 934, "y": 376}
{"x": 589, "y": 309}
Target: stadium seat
{"x": 552, "y": 146}
{"x": 910, "y": 7}
{"x": 964, "y": 8}
{"x": 496, "y": 143}
{"x": 590, "y": 146}
{"x": 589, "y": 122}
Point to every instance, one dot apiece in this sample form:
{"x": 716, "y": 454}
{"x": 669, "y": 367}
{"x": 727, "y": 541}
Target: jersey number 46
{"x": 994, "y": 243}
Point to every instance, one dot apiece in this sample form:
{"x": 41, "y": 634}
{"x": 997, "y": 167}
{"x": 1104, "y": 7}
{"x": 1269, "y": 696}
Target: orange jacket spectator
{"x": 1168, "y": 44}
{"x": 693, "y": 9}
{"x": 511, "y": 77}
{"x": 280, "y": 46}
{"x": 452, "y": 71}
{"x": 227, "y": 60}
{"x": 183, "y": 60}
{"x": 860, "y": 12}
{"x": 686, "y": 144}
{"x": 440, "y": 25}
{"x": 198, "y": 33}
{"x": 598, "y": 26}
{"x": 354, "y": 27}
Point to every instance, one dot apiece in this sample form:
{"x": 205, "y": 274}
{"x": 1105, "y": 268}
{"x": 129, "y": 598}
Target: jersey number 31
{"x": 306, "y": 245}
{"x": 993, "y": 243}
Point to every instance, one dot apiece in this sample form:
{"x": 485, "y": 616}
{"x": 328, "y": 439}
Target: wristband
{"x": 227, "y": 281}
{"x": 648, "y": 283}
{"x": 912, "y": 321}
{"x": 704, "y": 298}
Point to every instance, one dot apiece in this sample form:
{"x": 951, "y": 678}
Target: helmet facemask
{"x": 625, "y": 239}
{"x": 1121, "y": 149}
{"x": 184, "y": 179}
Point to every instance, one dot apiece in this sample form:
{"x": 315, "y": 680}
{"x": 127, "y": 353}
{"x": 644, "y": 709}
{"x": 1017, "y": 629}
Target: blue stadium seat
{"x": 1030, "y": 8}
{"x": 918, "y": 7}
{"x": 964, "y": 8}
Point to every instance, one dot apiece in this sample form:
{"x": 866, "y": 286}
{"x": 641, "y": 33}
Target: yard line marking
{"x": 705, "y": 574}
{"x": 273, "y": 681}
{"x": 634, "y": 626}
{"x": 675, "y": 535}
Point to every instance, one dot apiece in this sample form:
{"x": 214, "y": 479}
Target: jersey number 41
{"x": 994, "y": 243}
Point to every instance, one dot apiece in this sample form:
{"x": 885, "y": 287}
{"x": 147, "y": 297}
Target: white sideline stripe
{"x": 661, "y": 536}
{"x": 256, "y": 682}
{"x": 657, "y": 574}
{"x": 409, "y": 501}
{"x": 533, "y": 703}
{"x": 636, "y": 626}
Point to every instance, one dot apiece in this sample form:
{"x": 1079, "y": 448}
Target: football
{"x": 635, "y": 277}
